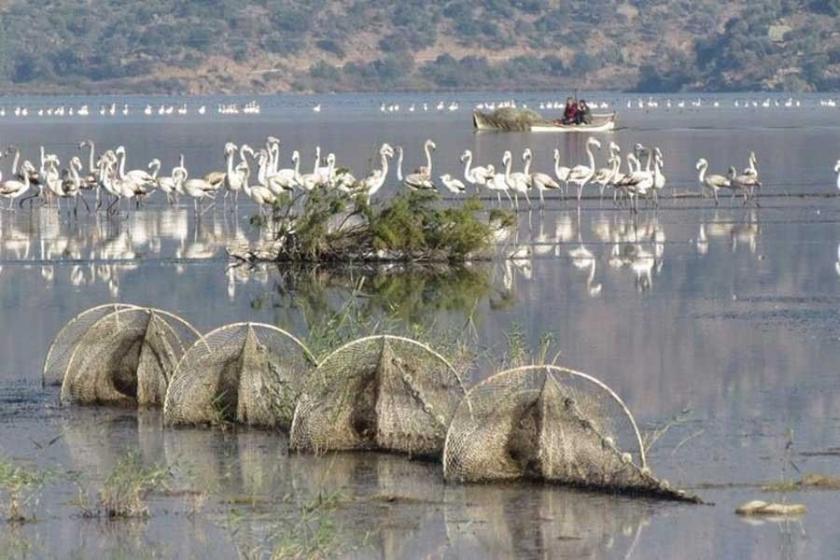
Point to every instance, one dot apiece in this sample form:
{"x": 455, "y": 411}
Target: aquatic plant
{"x": 20, "y": 488}
{"x": 328, "y": 225}
{"x": 124, "y": 492}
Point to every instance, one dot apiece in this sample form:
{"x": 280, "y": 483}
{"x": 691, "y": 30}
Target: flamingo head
{"x": 527, "y": 154}
{"x": 295, "y": 156}
{"x": 246, "y": 149}
{"x": 27, "y": 167}
{"x": 556, "y": 155}
{"x": 120, "y": 151}
{"x": 701, "y": 163}
{"x": 431, "y": 145}
{"x": 230, "y": 148}
{"x": 465, "y": 156}
{"x": 271, "y": 140}
{"x": 76, "y": 162}
{"x": 638, "y": 149}
{"x": 837, "y": 166}
{"x": 154, "y": 163}
{"x": 506, "y": 157}
{"x": 331, "y": 159}
{"x": 615, "y": 148}
{"x": 732, "y": 171}
{"x": 594, "y": 142}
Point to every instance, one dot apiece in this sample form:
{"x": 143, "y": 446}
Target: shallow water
{"x": 730, "y": 314}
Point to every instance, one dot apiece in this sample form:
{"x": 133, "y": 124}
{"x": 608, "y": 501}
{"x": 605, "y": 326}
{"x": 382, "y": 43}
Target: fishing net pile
{"x": 510, "y": 118}
{"x": 124, "y": 358}
{"x": 380, "y": 392}
{"x": 248, "y": 373}
{"x": 553, "y": 424}
{"x": 61, "y": 349}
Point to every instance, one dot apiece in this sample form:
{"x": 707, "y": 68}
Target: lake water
{"x": 727, "y": 317}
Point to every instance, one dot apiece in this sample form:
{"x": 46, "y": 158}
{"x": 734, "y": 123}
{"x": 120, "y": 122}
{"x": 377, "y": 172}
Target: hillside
{"x": 226, "y": 46}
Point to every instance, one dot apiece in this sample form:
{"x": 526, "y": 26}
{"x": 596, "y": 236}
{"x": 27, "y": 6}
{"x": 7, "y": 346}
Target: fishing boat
{"x": 528, "y": 121}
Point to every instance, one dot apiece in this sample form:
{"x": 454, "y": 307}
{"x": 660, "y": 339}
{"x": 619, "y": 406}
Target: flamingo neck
{"x": 399, "y": 166}
{"x": 15, "y": 162}
{"x": 428, "y": 160}
{"x": 527, "y": 169}
{"x": 591, "y": 156}
{"x": 467, "y": 166}
{"x": 91, "y": 167}
{"x": 703, "y": 169}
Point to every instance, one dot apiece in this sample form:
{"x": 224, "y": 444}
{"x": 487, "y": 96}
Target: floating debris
{"x": 248, "y": 373}
{"x": 380, "y": 392}
{"x": 770, "y": 509}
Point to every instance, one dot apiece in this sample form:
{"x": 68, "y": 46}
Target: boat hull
{"x": 601, "y": 122}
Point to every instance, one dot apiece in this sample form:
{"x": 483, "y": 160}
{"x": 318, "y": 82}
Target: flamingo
{"x": 197, "y": 189}
{"x": 752, "y": 163}
{"x": 373, "y": 182}
{"x": 582, "y": 174}
{"x": 452, "y": 185}
{"x": 262, "y": 196}
{"x": 14, "y": 188}
{"x": 399, "y": 164}
{"x": 516, "y": 182}
{"x": 538, "y": 180}
{"x": 713, "y": 182}
{"x": 422, "y": 178}
{"x": 561, "y": 171}
{"x": 745, "y": 183}
{"x": 168, "y": 185}
{"x": 478, "y": 175}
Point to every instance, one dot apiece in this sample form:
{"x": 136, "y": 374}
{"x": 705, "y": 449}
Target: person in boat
{"x": 584, "y": 113}
{"x": 570, "y": 113}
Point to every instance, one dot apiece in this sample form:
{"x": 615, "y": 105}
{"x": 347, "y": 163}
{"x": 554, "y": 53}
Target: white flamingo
{"x": 13, "y": 189}
{"x": 452, "y": 184}
{"x": 422, "y": 178}
{"x": 711, "y": 182}
{"x": 477, "y": 175}
{"x": 540, "y": 181}
{"x": 747, "y": 184}
{"x": 373, "y": 182}
{"x": 561, "y": 172}
{"x": 582, "y": 174}
{"x": 516, "y": 182}
{"x": 260, "y": 195}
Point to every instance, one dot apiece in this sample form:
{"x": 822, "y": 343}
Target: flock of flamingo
{"x": 258, "y": 175}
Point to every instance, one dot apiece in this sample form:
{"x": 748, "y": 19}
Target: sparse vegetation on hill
{"x": 334, "y": 45}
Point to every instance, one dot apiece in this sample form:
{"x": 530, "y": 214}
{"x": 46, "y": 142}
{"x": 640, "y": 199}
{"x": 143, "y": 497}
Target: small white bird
{"x": 452, "y": 185}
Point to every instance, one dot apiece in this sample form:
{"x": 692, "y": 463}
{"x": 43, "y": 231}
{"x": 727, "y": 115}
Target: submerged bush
{"x": 331, "y": 226}
{"x": 19, "y": 487}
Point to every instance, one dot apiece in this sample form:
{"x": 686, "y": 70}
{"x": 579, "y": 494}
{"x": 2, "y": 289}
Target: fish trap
{"x": 61, "y": 349}
{"x": 247, "y": 373}
{"x": 381, "y": 392}
{"x": 549, "y": 423}
{"x": 126, "y": 358}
